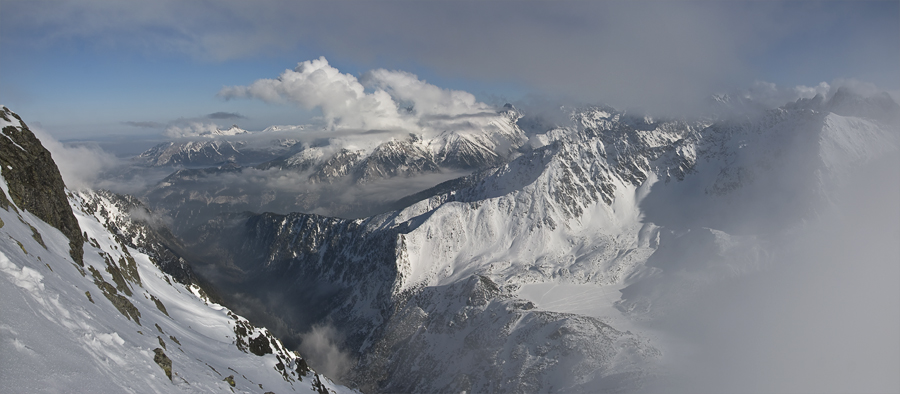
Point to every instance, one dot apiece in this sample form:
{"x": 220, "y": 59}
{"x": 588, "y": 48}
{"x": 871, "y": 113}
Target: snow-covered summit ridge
{"x": 203, "y": 130}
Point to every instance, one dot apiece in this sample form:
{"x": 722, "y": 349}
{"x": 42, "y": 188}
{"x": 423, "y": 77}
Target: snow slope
{"x": 61, "y": 333}
{"x": 113, "y": 322}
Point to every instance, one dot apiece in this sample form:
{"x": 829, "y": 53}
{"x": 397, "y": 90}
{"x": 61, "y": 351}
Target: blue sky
{"x": 87, "y": 68}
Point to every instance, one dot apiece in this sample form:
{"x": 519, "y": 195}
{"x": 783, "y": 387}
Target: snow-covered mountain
{"x": 193, "y": 152}
{"x": 95, "y": 297}
{"x": 327, "y": 164}
{"x": 548, "y": 269}
{"x": 532, "y": 276}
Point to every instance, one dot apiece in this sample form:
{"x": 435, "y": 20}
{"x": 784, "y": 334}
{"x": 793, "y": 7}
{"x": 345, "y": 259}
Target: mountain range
{"x": 554, "y": 263}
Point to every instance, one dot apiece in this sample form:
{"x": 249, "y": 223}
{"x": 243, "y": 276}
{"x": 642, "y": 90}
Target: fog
{"x": 809, "y": 304}
{"x": 321, "y": 346}
{"x": 81, "y": 166}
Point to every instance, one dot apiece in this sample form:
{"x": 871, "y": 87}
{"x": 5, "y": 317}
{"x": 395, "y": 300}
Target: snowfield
{"x": 60, "y": 333}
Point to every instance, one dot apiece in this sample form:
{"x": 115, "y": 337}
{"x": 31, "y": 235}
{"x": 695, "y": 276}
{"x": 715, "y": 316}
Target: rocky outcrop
{"x": 33, "y": 180}
{"x": 136, "y": 226}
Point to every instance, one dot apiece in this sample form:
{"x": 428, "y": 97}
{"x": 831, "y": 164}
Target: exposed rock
{"x": 164, "y": 362}
{"x": 34, "y": 181}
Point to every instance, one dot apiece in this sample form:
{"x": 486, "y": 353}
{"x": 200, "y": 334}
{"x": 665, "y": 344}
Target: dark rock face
{"x": 34, "y": 181}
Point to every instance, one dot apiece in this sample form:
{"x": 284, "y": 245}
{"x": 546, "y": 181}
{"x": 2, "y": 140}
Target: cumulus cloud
{"x": 378, "y": 100}
{"x": 425, "y": 99}
{"x": 316, "y": 84}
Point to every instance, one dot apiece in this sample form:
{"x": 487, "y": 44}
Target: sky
{"x": 95, "y": 68}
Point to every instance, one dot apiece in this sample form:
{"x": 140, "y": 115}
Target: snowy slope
{"x": 113, "y": 322}
{"x": 62, "y": 332}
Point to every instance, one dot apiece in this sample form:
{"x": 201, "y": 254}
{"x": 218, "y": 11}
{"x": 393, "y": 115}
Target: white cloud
{"x": 316, "y": 84}
{"x": 379, "y": 100}
{"x": 192, "y": 129}
{"x": 426, "y": 99}
{"x": 80, "y": 166}
{"x": 320, "y": 346}
{"x": 200, "y": 129}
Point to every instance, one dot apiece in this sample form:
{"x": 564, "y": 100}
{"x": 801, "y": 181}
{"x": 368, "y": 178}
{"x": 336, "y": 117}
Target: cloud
{"x": 225, "y": 115}
{"x": 379, "y": 100}
{"x": 772, "y": 96}
{"x": 802, "y": 296}
{"x": 661, "y": 55}
{"x": 321, "y": 347}
{"x": 145, "y": 125}
{"x": 824, "y": 317}
{"x": 192, "y": 129}
{"x": 425, "y": 99}
{"x": 81, "y": 166}
{"x": 316, "y": 84}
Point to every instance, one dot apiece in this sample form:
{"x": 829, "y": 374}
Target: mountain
{"x": 96, "y": 297}
{"x": 373, "y": 169}
{"x": 582, "y": 260}
{"x": 212, "y": 151}
{"x": 537, "y": 275}
{"x": 492, "y": 141}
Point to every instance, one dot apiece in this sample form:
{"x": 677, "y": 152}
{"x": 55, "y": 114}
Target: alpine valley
{"x": 488, "y": 252}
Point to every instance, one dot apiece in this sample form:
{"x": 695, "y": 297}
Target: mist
{"x": 807, "y": 301}
{"x": 321, "y": 347}
{"x": 81, "y": 166}
{"x": 285, "y": 191}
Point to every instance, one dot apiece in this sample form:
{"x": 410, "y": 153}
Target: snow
{"x": 581, "y": 299}
{"x": 54, "y": 339}
{"x": 12, "y": 122}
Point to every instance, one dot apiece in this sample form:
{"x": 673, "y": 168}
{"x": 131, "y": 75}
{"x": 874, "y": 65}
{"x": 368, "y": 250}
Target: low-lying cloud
{"x": 770, "y": 95}
{"x": 81, "y": 166}
{"x": 321, "y": 346}
{"x": 192, "y": 129}
{"x": 820, "y": 312}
